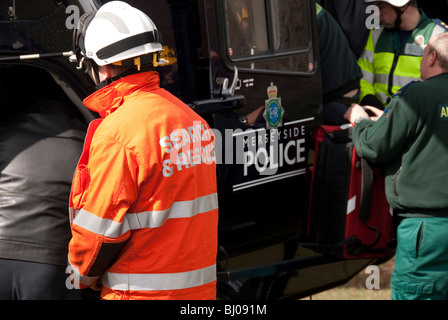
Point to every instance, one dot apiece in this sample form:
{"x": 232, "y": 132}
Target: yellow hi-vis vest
{"x": 388, "y": 65}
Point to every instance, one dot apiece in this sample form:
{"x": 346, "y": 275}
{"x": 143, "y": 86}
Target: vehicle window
{"x": 289, "y": 24}
{"x": 247, "y": 27}
{"x": 6, "y": 9}
{"x": 269, "y": 34}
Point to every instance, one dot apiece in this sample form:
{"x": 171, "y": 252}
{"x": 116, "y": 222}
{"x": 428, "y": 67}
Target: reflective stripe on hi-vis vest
{"x": 387, "y": 66}
{"x": 159, "y": 281}
{"x": 147, "y": 219}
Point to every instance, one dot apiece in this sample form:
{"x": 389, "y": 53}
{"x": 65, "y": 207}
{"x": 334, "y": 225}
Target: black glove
{"x": 371, "y": 100}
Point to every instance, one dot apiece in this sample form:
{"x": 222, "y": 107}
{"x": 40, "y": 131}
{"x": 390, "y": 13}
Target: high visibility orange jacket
{"x": 143, "y": 204}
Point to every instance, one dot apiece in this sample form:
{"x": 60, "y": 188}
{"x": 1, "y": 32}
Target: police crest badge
{"x": 273, "y": 109}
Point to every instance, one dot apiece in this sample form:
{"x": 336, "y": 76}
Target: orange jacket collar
{"x": 106, "y": 100}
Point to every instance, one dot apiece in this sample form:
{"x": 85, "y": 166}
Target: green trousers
{"x": 421, "y": 260}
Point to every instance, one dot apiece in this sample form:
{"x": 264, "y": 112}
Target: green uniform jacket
{"x": 388, "y": 65}
{"x": 411, "y": 138}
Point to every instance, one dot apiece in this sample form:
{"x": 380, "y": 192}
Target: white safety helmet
{"x": 117, "y": 32}
{"x": 395, "y": 3}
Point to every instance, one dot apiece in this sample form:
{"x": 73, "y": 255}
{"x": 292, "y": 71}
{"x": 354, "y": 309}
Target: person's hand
{"x": 354, "y": 113}
{"x": 255, "y": 116}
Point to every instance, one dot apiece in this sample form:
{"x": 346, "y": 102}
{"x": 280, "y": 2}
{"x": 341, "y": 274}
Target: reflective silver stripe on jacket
{"x": 368, "y": 76}
{"x": 384, "y": 78}
{"x": 77, "y": 278}
{"x": 159, "y": 281}
{"x": 400, "y": 81}
{"x": 367, "y": 55}
{"x": 146, "y": 219}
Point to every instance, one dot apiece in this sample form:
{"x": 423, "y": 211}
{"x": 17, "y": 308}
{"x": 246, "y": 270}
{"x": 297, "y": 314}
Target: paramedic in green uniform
{"x": 410, "y": 138}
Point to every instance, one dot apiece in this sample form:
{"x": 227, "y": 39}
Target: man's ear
{"x": 432, "y": 58}
{"x": 107, "y": 71}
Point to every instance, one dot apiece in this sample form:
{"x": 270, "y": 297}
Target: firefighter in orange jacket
{"x": 143, "y": 203}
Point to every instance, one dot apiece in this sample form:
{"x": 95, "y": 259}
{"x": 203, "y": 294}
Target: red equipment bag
{"x": 349, "y": 215}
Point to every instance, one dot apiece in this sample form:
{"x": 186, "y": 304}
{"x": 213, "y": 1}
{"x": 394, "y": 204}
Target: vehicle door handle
{"x": 228, "y": 91}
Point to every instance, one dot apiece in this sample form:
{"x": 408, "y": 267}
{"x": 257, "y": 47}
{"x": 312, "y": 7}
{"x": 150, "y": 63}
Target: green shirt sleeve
{"x": 383, "y": 140}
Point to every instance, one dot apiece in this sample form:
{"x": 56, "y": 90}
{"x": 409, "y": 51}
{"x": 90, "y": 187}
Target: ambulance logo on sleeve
{"x": 443, "y": 112}
{"x": 273, "y": 108}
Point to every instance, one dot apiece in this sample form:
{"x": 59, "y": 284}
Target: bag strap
{"x": 366, "y": 190}
{"x": 366, "y": 198}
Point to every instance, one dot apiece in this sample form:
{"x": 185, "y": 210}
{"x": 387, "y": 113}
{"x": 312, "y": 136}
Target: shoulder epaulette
{"x": 403, "y": 89}
{"x": 441, "y": 24}
{"x": 319, "y": 9}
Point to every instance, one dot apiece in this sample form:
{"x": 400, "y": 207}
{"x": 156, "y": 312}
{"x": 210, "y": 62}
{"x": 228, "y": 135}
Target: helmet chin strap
{"x": 90, "y": 67}
{"x": 398, "y": 21}
{"x": 135, "y": 66}
{"x": 108, "y": 81}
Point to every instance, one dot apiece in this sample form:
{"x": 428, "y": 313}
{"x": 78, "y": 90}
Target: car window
{"x": 269, "y": 34}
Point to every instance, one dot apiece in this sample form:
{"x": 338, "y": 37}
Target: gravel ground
{"x": 356, "y": 289}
